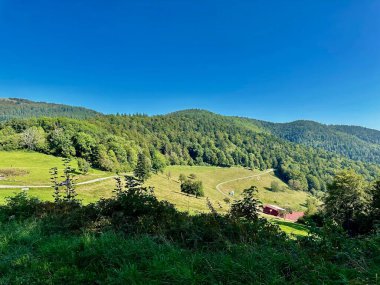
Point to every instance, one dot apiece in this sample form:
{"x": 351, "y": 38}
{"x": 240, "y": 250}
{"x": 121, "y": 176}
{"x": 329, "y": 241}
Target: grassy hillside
{"x": 37, "y": 168}
{"x": 32, "y": 168}
{"x": 11, "y": 108}
{"x": 35, "y": 171}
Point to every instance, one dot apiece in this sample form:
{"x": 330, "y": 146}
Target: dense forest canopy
{"x": 190, "y": 137}
{"x": 11, "y": 108}
{"x": 353, "y": 142}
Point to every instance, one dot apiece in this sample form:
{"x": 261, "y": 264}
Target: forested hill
{"x": 356, "y": 143}
{"x": 353, "y": 142}
{"x": 11, "y": 108}
{"x": 191, "y": 137}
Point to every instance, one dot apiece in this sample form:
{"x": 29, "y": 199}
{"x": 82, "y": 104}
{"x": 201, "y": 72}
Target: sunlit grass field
{"x": 166, "y": 184}
{"x": 37, "y": 165}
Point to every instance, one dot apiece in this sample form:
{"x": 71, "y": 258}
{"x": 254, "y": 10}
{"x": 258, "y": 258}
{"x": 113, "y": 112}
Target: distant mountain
{"x": 354, "y": 142}
{"x": 365, "y": 134}
{"x": 11, "y": 108}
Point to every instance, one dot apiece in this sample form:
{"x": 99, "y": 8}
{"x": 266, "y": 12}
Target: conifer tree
{"x": 54, "y": 180}
{"x": 143, "y": 167}
{"x": 248, "y": 207}
{"x": 69, "y": 181}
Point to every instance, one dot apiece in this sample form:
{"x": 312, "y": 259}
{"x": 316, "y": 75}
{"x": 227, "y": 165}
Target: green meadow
{"x": 166, "y": 184}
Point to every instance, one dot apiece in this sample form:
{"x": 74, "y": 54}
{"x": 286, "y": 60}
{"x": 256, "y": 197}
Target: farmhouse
{"x": 273, "y": 210}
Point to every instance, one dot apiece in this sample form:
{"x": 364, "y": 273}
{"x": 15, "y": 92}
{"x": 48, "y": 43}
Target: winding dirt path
{"x": 242, "y": 178}
{"x": 49, "y": 186}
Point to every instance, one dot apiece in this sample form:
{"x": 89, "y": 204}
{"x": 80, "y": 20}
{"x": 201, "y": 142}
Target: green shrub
{"x": 21, "y": 206}
{"x": 192, "y": 188}
{"x": 83, "y": 165}
{"x": 275, "y": 186}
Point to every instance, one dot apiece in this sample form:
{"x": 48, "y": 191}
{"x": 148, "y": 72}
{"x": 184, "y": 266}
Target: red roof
{"x": 295, "y": 216}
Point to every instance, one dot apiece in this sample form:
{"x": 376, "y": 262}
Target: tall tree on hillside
{"x": 69, "y": 181}
{"x": 143, "y": 167}
{"x": 346, "y": 198}
{"x": 158, "y": 161}
{"x": 248, "y": 207}
{"x": 55, "y": 184}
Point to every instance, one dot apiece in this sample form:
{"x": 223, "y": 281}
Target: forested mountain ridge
{"x": 191, "y": 137}
{"x": 11, "y": 108}
{"x": 353, "y": 142}
{"x": 365, "y": 134}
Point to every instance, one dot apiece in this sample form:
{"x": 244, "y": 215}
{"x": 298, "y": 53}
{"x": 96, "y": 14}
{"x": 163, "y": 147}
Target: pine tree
{"x": 69, "y": 181}
{"x": 119, "y": 185}
{"x": 54, "y": 180}
{"x": 143, "y": 167}
{"x": 248, "y": 207}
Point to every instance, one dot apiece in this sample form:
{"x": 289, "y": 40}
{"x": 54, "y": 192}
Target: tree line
{"x": 194, "y": 137}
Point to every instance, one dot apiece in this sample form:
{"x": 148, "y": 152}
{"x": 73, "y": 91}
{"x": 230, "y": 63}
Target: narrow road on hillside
{"x": 242, "y": 178}
{"x": 49, "y": 186}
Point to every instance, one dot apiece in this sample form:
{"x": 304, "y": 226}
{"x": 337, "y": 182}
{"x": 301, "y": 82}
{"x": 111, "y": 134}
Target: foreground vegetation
{"x": 133, "y": 238}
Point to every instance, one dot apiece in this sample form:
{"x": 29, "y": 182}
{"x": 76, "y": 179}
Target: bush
{"x": 192, "y": 188}
{"x": 21, "y": 206}
{"x": 275, "y": 186}
{"x": 83, "y": 165}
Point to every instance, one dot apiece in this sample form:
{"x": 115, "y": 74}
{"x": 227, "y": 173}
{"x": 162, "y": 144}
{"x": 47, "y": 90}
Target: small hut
{"x": 273, "y": 210}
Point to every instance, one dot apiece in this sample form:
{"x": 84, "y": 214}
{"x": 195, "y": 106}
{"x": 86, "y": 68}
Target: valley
{"x": 231, "y": 166}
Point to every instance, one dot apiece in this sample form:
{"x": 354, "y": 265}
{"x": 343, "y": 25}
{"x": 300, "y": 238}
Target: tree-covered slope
{"x": 353, "y": 142}
{"x": 365, "y": 134}
{"x": 20, "y": 108}
{"x": 182, "y": 138}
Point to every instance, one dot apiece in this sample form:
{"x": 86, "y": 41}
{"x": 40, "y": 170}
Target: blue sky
{"x": 272, "y": 60}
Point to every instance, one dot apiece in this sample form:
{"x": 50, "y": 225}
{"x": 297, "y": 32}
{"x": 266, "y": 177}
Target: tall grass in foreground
{"x": 135, "y": 239}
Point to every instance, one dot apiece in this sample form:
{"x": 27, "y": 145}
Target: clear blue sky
{"x": 272, "y": 60}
